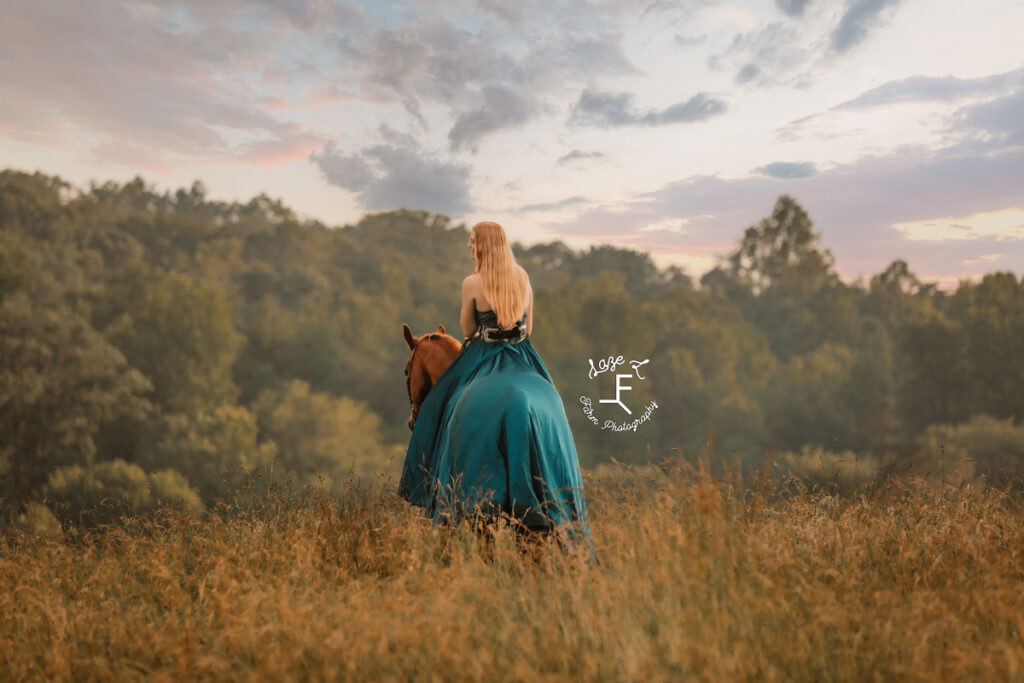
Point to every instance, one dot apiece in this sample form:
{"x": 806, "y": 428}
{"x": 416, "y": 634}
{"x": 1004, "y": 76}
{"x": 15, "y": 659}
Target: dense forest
{"x": 160, "y": 348}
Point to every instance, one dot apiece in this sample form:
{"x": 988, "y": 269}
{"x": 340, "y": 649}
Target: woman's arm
{"x": 467, "y": 318}
{"x": 529, "y": 310}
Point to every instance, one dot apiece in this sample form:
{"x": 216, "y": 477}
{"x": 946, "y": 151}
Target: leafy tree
{"x": 550, "y": 265}
{"x": 870, "y": 390}
{"x": 786, "y": 285}
{"x": 31, "y": 204}
{"x": 895, "y": 294}
{"x": 781, "y": 251}
{"x": 991, "y": 314}
{"x": 932, "y": 372}
{"x": 590, "y": 320}
{"x": 323, "y": 436}
{"x": 178, "y": 332}
{"x": 283, "y": 343}
{"x": 19, "y": 266}
{"x": 215, "y": 450}
{"x": 805, "y": 404}
{"x": 60, "y": 381}
{"x": 220, "y": 302}
{"x": 709, "y": 366}
{"x": 641, "y": 278}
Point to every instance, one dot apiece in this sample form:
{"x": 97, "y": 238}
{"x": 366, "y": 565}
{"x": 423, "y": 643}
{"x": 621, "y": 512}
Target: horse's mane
{"x": 432, "y": 335}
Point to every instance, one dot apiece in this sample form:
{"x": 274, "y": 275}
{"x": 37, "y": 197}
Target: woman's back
{"x": 484, "y": 314}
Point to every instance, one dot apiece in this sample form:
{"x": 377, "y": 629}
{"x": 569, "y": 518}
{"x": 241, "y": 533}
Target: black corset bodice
{"x": 490, "y": 318}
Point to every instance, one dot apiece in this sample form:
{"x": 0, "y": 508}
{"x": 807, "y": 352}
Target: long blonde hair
{"x": 505, "y": 281}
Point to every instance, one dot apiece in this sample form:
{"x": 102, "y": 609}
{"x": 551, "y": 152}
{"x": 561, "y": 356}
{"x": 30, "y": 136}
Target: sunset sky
{"x": 661, "y": 125}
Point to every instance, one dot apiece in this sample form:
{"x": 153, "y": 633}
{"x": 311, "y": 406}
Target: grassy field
{"x": 697, "y": 579}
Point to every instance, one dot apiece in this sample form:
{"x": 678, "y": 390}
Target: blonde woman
{"x": 492, "y": 437}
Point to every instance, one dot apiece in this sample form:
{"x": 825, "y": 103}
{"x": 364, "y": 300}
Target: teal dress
{"x": 492, "y": 437}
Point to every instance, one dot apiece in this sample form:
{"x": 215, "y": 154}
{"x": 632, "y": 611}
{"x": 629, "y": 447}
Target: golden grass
{"x": 697, "y": 580}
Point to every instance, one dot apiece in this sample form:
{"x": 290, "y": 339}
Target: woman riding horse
{"x": 491, "y": 436}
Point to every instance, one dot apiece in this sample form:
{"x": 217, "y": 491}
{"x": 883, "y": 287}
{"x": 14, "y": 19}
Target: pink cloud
{"x": 279, "y": 151}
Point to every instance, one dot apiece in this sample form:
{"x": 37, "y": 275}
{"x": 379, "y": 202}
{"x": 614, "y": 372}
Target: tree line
{"x": 161, "y": 347}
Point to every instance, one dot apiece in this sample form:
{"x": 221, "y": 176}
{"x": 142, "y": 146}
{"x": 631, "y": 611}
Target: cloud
{"x": 998, "y": 123}
{"x": 603, "y": 109}
{"x": 430, "y": 60}
{"x": 690, "y": 41}
{"x": 932, "y": 89}
{"x": 1005, "y": 224}
{"x": 576, "y": 55}
{"x": 766, "y": 54}
{"x": 501, "y": 108}
{"x": 920, "y": 89}
{"x": 487, "y": 77}
{"x": 577, "y": 154}
{"x": 510, "y": 12}
{"x": 792, "y": 8}
{"x": 984, "y": 258}
{"x": 855, "y": 206}
{"x": 310, "y": 16}
{"x": 397, "y": 173}
{"x": 747, "y": 74}
{"x": 860, "y": 17}
{"x": 550, "y": 206}
{"x": 155, "y": 87}
{"x": 787, "y": 169}
{"x": 192, "y": 81}
{"x": 282, "y": 149}
{"x": 674, "y": 11}
{"x": 609, "y": 110}
{"x": 697, "y": 108}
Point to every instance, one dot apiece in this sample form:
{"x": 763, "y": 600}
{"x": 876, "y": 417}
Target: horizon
{"x": 862, "y": 280}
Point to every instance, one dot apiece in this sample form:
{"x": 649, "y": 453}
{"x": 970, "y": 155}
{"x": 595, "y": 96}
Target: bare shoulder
{"x": 473, "y": 286}
{"x": 526, "y": 275}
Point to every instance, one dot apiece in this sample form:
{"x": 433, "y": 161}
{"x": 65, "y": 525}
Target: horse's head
{"x": 430, "y": 355}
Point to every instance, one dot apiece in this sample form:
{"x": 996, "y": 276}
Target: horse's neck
{"x": 439, "y": 359}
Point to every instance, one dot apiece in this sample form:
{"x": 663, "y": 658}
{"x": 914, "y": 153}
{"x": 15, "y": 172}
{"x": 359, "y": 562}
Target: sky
{"x": 667, "y": 126}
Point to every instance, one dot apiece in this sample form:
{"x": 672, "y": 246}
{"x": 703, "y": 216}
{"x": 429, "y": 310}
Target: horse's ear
{"x": 440, "y": 328}
{"x": 409, "y": 339}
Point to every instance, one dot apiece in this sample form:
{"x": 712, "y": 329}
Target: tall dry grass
{"x": 698, "y": 579}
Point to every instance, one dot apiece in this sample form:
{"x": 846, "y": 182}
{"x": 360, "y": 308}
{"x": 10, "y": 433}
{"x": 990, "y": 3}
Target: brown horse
{"x": 431, "y": 354}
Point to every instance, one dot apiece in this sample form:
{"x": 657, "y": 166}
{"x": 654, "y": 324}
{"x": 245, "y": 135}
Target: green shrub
{"x": 983, "y": 447}
{"x": 818, "y": 468}
{"x": 102, "y": 493}
{"x": 39, "y": 520}
{"x": 216, "y": 450}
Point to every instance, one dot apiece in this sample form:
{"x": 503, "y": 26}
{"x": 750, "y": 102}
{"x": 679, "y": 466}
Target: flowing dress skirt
{"x": 492, "y": 437}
